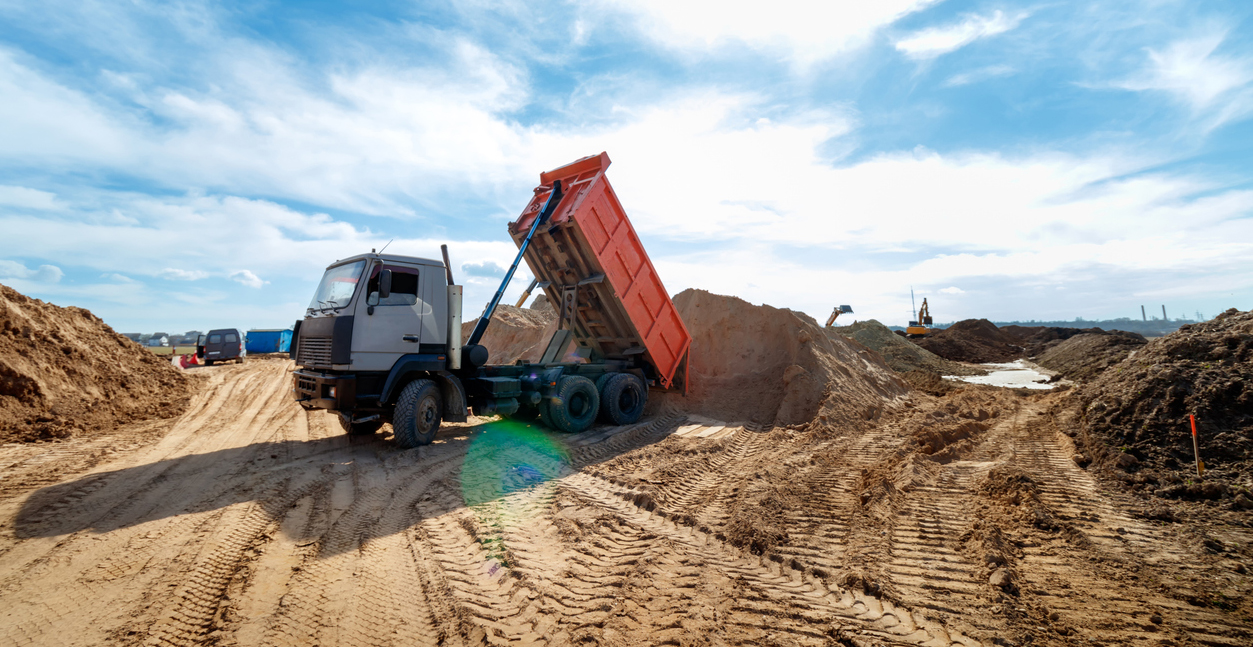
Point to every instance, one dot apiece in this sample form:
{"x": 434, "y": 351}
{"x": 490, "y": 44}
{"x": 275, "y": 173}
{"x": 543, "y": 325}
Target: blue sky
{"x": 187, "y": 165}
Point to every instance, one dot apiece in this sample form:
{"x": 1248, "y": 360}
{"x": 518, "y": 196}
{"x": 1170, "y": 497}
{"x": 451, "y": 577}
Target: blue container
{"x": 267, "y": 341}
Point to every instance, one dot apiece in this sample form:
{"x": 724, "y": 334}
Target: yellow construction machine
{"x": 839, "y": 310}
{"x": 922, "y": 326}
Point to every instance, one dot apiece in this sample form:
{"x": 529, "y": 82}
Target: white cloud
{"x": 176, "y": 274}
{"x": 1214, "y": 85}
{"x": 802, "y": 29}
{"x": 246, "y": 277}
{"x": 952, "y": 290}
{"x": 43, "y": 120}
{"x": 937, "y": 41}
{"x": 44, "y": 274}
{"x": 24, "y": 198}
{"x": 979, "y": 75}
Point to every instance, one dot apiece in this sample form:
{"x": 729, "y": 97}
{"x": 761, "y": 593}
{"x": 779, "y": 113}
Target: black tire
{"x": 208, "y": 362}
{"x": 360, "y": 428}
{"x": 600, "y": 390}
{"x": 418, "y": 414}
{"x": 624, "y": 399}
{"x": 574, "y": 407}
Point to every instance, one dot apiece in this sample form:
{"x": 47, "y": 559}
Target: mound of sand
{"x": 977, "y": 341}
{"x": 900, "y": 354}
{"x": 769, "y": 365}
{"x": 64, "y": 372}
{"x": 1085, "y": 356}
{"x": 1140, "y": 406}
{"x": 514, "y": 333}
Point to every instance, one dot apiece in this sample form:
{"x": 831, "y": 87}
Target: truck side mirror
{"x": 385, "y": 284}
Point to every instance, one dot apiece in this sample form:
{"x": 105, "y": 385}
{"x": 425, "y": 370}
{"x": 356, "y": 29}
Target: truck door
{"x": 378, "y": 339}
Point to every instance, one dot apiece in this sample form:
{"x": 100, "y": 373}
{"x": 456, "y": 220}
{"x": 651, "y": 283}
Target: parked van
{"x": 221, "y": 345}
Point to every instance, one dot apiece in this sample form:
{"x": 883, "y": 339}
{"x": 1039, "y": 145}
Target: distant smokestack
{"x": 1163, "y": 312}
{"x": 1142, "y": 315}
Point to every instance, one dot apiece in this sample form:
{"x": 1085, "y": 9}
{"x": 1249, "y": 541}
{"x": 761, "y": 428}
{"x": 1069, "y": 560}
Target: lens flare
{"x": 508, "y": 456}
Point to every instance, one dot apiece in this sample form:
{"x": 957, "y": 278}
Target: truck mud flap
{"x": 454, "y": 396}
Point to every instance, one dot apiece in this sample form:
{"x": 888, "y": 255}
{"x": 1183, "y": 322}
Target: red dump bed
{"x": 589, "y": 251}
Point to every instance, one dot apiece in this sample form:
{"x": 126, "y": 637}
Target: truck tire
{"x": 623, "y": 401}
{"x": 360, "y": 428}
{"x": 418, "y": 413}
{"x": 208, "y": 362}
{"x": 574, "y": 407}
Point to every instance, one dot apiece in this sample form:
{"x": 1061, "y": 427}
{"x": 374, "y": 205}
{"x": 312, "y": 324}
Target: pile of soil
{"x": 977, "y": 341}
{"x": 514, "y": 333}
{"x": 770, "y": 365}
{"x": 1038, "y": 339}
{"x": 63, "y": 373}
{"x": 1083, "y": 357}
{"x": 900, "y": 354}
{"x": 1135, "y": 414}
{"x": 542, "y": 304}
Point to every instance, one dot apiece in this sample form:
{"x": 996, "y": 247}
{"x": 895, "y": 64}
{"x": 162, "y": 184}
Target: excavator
{"x": 922, "y": 326}
{"x": 839, "y": 310}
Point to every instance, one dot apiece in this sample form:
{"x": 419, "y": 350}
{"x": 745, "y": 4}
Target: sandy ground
{"x": 250, "y": 522}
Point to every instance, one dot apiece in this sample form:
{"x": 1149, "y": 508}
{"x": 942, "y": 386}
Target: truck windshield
{"x": 337, "y": 286}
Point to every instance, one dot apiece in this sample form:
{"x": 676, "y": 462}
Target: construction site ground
{"x": 940, "y": 520}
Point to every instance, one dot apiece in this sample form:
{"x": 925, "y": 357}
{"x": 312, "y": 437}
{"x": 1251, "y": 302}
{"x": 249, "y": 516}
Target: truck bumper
{"x": 315, "y": 390}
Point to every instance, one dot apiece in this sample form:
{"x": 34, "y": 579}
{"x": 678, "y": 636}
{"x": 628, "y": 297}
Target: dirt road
{"x": 249, "y": 522}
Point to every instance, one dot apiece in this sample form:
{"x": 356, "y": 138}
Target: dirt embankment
{"x": 514, "y": 333}
{"x": 63, "y": 372}
{"x": 771, "y": 365}
{"x": 1037, "y": 339}
{"x": 1135, "y": 414}
{"x": 900, "y": 354}
{"x": 977, "y": 341}
{"x": 1083, "y": 357}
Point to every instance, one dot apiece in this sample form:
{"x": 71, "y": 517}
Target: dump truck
{"x": 381, "y": 340}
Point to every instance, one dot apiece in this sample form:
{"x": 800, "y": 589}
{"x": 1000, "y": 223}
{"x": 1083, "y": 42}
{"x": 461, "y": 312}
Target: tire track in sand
{"x": 782, "y": 594}
{"x": 1079, "y": 585}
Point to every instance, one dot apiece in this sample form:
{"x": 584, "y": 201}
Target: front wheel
{"x": 418, "y": 414}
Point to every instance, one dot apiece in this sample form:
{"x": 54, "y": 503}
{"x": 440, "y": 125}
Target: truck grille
{"x": 314, "y": 351}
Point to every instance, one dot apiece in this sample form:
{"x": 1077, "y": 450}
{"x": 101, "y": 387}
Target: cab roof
{"x": 389, "y": 258}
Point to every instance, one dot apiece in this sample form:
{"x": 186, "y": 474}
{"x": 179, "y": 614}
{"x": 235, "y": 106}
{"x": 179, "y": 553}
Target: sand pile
{"x": 769, "y": 365}
{"x": 64, "y": 372}
{"x": 1085, "y": 356}
{"x": 1136, "y": 413}
{"x": 515, "y": 333}
{"x": 977, "y": 341}
{"x": 900, "y": 354}
{"x": 542, "y": 304}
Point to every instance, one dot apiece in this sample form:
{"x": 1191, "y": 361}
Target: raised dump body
{"x": 600, "y": 279}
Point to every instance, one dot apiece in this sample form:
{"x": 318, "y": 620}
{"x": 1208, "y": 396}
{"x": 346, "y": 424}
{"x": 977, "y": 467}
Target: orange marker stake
{"x": 1200, "y": 466}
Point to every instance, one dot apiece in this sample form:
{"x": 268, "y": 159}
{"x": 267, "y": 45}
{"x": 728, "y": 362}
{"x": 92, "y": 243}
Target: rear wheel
{"x": 623, "y": 400}
{"x": 418, "y": 414}
{"x": 208, "y": 362}
{"x": 360, "y": 428}
{"x": 574, "y": 406}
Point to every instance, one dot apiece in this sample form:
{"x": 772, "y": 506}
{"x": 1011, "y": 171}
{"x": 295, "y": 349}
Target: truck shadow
{"x": 473, "y": 465}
